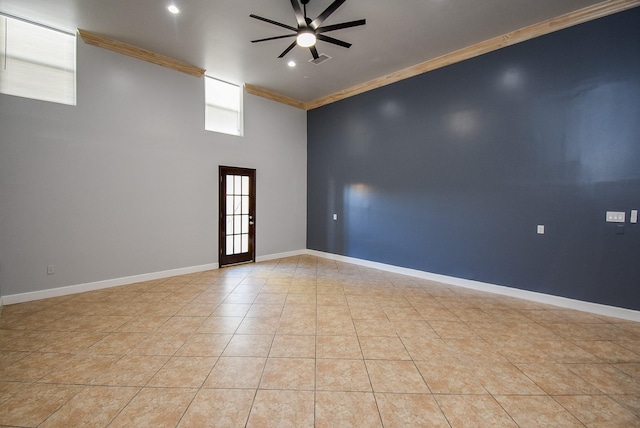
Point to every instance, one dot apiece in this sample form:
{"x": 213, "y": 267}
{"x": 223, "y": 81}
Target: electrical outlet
{"x": 50, "y": 270}
{"x": 615, "y": 216}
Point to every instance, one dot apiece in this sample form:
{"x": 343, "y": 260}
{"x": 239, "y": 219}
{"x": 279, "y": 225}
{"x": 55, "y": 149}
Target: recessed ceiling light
{"x": 291, "y": 63}
{"x": 173, "y": 9}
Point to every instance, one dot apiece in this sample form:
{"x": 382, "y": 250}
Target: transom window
{"x": 223, "y": 107}
{"x": 37, "y": 61}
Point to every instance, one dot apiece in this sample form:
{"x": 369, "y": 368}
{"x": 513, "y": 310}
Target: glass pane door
{"x": 237, "y": 212}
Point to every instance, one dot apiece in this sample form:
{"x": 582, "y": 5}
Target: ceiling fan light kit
{"x": 306, "y": 38}
{"x": 309, "y": 31}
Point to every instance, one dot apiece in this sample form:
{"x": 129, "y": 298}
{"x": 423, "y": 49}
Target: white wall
{"x": 125, "y": 183}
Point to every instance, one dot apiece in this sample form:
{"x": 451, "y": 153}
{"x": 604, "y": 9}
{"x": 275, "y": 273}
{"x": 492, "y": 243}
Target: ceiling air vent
{"x": 321, "y": 58}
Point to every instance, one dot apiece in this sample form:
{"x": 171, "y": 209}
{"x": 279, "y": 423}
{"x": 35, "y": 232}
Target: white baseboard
{"x": 98, "y": 285}
{"x": 563, "y": 302}
{"x": 116, "y": 282}
{"x": 280, "y": 255}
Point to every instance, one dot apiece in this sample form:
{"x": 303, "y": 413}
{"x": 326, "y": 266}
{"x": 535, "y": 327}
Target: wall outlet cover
{"x": 615, "y": 216}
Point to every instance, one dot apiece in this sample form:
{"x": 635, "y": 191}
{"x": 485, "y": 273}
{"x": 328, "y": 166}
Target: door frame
{"x": 250, "y": 256}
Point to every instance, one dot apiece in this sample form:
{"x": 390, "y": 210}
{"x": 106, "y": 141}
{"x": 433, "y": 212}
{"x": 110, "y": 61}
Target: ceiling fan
{"x": 308, "y": 30}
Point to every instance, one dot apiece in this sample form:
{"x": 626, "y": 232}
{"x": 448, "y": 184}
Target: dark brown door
{"x": 237, "y": 215}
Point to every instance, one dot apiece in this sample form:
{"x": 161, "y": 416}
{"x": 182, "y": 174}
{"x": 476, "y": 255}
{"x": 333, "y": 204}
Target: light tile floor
{"x": 305, "y": 341}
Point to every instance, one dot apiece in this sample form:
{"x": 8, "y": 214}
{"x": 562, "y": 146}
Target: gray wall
{"x": 125, "y": 183}
{"x": 450, "y": 172}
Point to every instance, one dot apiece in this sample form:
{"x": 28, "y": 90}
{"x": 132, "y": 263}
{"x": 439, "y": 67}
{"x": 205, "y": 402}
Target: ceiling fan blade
{"x": 334, "y": 41}
{"x": 286, "y": 51}
{"x": 327, "y": 12}
{"x": 273, "y": 38}
{"x": 341, "y": 26}
{"x": 314, "y": 52}
{"x": 270, "y": 21}
{"x": 299, "y": 15}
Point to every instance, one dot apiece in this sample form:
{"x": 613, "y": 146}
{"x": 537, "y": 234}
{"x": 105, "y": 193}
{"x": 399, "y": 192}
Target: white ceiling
{"x": 216, "y": 34}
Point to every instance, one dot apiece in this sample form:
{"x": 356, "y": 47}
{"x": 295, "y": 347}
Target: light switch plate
{"x": 633, "y": 218}
{"x": 615, "y": 216}
{"x": 541, "y": 229}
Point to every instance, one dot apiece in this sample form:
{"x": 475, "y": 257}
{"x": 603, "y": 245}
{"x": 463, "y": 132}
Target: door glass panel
{"x": 229, "y": 205}
{"x": 229, "y": 245}
{"x": 245, "y": 224}
{"x": 229, "y": 225}
{"x": 230, "y": 182}
{"x": 245, "y": 204}
{"x": 245, "y": 243}
{"x": 237, "y": 244}
{"x": 237, "y": 184}
{"x": 237, "y": 204}
{"x": 236, "y": 225}
{"x": 245, "y": 185}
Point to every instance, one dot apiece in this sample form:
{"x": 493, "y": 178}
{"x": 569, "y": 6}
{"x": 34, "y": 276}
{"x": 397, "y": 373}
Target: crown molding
{"x": 274, "y": 96}
{"x": 139, "y": 53}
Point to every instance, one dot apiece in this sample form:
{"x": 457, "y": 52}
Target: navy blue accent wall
{"x": 451, "y": 171}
